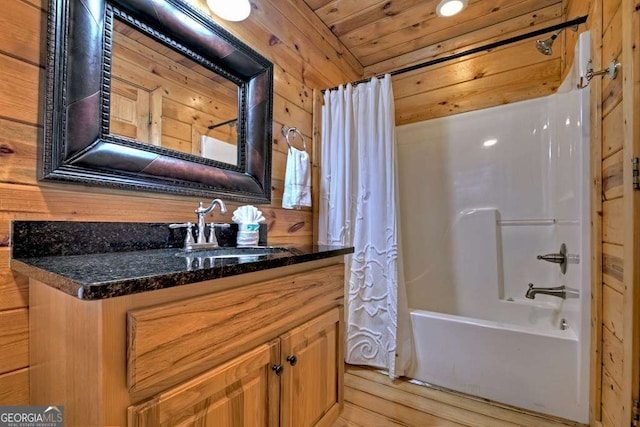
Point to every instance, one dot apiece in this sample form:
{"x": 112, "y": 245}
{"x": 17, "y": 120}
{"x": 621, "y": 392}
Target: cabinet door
{"x": 242, "y": 392}
{"x": 312, "y": 382}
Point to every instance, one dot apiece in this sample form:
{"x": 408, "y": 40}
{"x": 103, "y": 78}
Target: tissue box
{"x": 228, "y": 237}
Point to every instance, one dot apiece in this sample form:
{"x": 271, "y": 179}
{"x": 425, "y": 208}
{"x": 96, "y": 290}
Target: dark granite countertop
{"x": 96, "y": 274}
{"x": 107, "y": 275}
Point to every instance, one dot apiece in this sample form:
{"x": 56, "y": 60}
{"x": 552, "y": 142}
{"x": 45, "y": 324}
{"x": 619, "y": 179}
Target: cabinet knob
{"x": 292, "y": 360}
{"x": 277, "y": 369}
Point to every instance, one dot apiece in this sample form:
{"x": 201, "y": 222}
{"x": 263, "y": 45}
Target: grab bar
{"x": 527, "y": 222}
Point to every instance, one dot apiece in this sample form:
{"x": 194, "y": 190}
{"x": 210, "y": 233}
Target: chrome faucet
{"x": 202, "y": 212}
{"x": 201, "y": 242}
{"x": 558, "y": 291}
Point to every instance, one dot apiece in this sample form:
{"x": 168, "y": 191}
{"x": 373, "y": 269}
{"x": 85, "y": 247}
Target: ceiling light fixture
{"x": 450, "y": 7}
{"x": 490, "y": 142}
{"x": 230, "y": 10}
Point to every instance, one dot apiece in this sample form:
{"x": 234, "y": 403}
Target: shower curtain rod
{"x": 228, "y": 122}
{"x": 572, "y": 23}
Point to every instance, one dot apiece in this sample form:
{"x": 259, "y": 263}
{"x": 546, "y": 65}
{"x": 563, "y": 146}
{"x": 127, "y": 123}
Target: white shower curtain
{"x": 358, "y": 207}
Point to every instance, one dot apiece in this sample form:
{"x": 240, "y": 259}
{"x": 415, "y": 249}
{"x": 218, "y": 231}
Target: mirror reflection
{"x": 161, "y": 97}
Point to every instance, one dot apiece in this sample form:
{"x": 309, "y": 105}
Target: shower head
{"x": 544, "y": 46}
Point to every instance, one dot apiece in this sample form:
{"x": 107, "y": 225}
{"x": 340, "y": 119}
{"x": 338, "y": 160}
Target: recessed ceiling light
{"x": 490, "y": 142}
{"x": 450, "y": 7}
{"x": 230, "y": 10}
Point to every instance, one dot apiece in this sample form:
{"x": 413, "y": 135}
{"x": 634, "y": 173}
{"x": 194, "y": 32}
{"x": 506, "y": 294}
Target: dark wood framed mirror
{"x": 85, "y": 140}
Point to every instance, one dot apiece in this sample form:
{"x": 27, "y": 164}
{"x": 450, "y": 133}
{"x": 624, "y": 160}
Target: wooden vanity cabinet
{"x": 200, "y": 354}
{"x": 242, "y": 392}
{"x": 311, "y": 388}
{"x": 294, "y": 381}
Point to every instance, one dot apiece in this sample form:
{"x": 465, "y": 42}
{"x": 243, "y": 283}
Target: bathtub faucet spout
{"x": 558, "y": 291}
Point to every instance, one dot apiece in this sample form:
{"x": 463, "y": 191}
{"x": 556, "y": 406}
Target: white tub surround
{"x": 482, "y": 195}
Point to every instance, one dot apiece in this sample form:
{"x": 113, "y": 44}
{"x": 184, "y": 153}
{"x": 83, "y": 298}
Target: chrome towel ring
{"x": 288, "y": 131}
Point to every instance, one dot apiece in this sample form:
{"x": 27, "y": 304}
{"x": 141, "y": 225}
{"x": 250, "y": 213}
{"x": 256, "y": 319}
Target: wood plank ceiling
{"x": 385, "y": 35}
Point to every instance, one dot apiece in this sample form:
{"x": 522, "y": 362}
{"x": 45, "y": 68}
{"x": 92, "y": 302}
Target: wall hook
{"x": 611, "y": 71}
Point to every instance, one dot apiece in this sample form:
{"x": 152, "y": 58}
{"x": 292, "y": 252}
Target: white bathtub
{"x": 474, "y": 216}
{"x": 505, "y": 362}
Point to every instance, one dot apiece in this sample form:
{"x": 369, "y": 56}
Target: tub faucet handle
{"x": 557, "y": 258}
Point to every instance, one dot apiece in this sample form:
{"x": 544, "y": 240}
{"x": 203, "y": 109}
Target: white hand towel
{"x": 297, "y": 180}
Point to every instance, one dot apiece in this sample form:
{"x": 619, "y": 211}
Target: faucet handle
{"x": 557, "y": 258}
{"x": 212, "y": 232}
{"x": 188, "y": 240}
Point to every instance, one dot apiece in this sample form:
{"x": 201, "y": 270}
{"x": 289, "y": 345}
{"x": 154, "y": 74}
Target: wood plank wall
{"x": 508, "y": 74}
{"x": 612, "y": 148}
{"x": 306, "y": 56}
{"x": 608, "y": 298}
{"x": 630, "y": 58}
